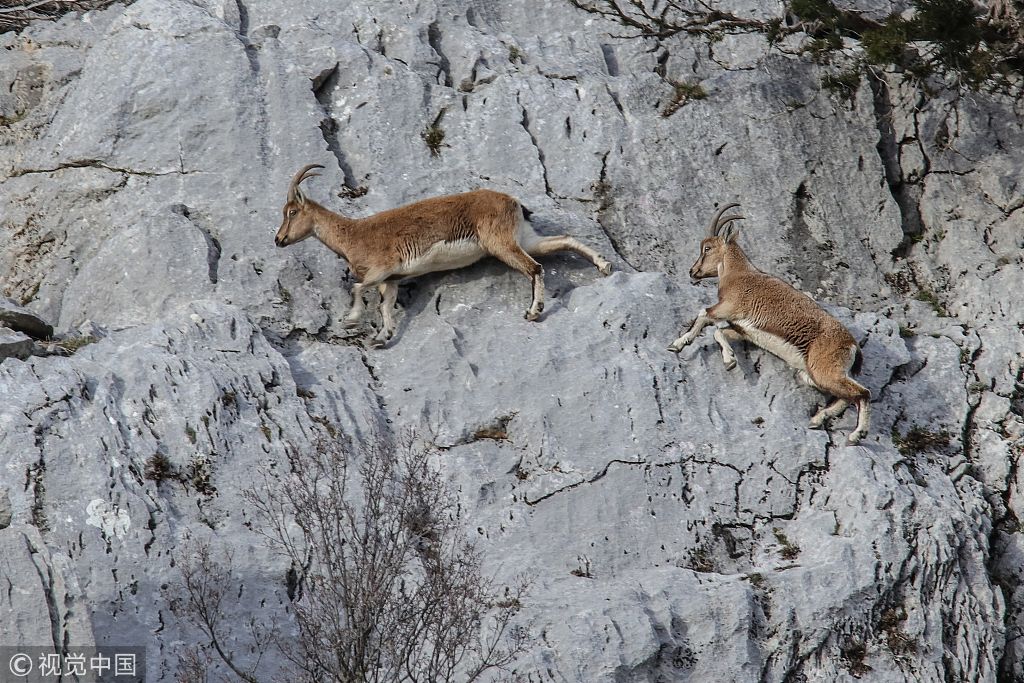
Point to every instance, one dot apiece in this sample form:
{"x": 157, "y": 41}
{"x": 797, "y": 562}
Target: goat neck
{"x": 333, "y": 229}
{"x": 734, "y": 262}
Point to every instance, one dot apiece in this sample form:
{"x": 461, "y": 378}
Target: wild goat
{"x": 435, "y": 234}
{"x": 765, "y": 310}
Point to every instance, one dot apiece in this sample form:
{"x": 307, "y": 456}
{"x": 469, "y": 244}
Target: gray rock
{"x": 43, "y": 605}
{"x": 14, "y": 344}
{"x": 5, "y": 510}
{"x": 21, "y": 319}
{"x": 677, "y": 520}
{"x": 91, "y": 329}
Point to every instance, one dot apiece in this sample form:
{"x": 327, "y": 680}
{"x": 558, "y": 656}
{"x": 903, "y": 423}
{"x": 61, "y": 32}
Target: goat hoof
{"x": 605, "y": 268}
{"x": 532, "y": 315}
{"x": 816, "y": 425}
{"x": 350, "y": 324}
{"x": 678, "y": 344}
{"x": 729, "y": 365}
{"x": 853, "y": 439}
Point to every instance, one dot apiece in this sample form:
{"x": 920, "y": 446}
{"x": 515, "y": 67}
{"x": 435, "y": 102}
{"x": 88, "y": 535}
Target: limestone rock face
{"x": 677, "y": 521}
{"x": 14, "y": 344}
{"x": 20, "y": 319}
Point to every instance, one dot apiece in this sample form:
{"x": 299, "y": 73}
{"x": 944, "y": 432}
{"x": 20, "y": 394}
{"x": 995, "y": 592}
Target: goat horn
{"x": 729, "y": 219}
{"x": 715, "y": 225}
{"x": 726, "y": 222}
{"x": 299, "y": 177}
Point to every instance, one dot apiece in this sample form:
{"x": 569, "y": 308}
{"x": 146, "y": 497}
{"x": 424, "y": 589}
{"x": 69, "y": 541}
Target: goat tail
{"x": 858, "y": 361}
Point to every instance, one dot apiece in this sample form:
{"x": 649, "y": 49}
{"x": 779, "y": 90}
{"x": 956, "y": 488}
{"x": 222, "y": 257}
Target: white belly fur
{"x": 443, "y": 256}
{"x": 773, "y": 344}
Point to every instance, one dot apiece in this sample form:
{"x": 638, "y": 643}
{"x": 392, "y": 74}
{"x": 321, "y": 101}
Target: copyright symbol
{"x": 20, "y": 665}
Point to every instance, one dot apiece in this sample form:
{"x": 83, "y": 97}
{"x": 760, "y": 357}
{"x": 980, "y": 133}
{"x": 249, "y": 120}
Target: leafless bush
{"x": 194, "y": 664}
{"x": 665, "y": 18}
{"x": 16, "y": 14}
{"x": 385, "y": 587}
{"x": 205, "y": 584}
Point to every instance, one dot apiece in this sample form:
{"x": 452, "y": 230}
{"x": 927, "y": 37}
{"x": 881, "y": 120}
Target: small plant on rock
{"x": 788, "y": 550}
{"x": 919, "y": 439}
{"x": 854, "y": 654}
{"x": 73, "y": 344}
{"x": 159, "y": 468}
{"x": 683, "y": 92}
{"x": 702, "y": 561}
{"x": 583, "y": 570}
{"x": 929, "y": 297}
{"x": 200, "y": 475}
{"x": 433, "y": 136}
{"x": 843, "y": 84}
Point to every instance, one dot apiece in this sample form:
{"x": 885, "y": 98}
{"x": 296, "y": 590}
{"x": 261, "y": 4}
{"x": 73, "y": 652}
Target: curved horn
{"x": 293, "y": 189}
{"x": 715, "y": 226}
{"x": 729, "y": 219}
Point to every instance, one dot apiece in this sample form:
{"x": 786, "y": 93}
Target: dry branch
{"x": 17, "y": 14}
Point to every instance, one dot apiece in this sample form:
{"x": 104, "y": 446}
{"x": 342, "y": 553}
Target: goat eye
{"x": 707, "y": 249}
{"x": 292, "y": 213}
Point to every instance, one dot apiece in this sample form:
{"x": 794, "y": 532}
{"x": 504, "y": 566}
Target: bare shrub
{"x": 384, "y": 586}
{"x": 664, "y": 19}
{"x": 16, "y": 14}
{"x": 205, "y": 584}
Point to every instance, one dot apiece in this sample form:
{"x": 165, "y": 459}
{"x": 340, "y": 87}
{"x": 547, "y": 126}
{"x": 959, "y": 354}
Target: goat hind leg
{"x": 537, "y": 305}
{"x": 388, "y": 296}
{"x": 549, "y": 245}
{"x": 863, "y": 422}
{"x": 846, "y": 391}
{"x": 829, "y": 412}
{"x": 514, "y": 256}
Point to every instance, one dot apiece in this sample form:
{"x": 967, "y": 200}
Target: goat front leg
{"x": 388, "y": 296}
{"x": 355, "y": 314}
{"x": 702, "y": 321}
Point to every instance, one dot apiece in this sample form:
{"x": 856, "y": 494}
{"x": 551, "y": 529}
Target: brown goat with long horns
{"x": 768, "y": 312}
{"x": 442, "y": 233}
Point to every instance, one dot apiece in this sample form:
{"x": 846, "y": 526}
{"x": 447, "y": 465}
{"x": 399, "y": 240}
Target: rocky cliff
{"x": 678, "y": 521}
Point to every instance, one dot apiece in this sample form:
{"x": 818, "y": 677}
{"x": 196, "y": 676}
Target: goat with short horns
{"x": 762, "y": 309}
{"x": 441, "y": 233}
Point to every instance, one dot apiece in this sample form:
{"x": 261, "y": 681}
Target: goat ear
{"x": 731, "y": 233}
{"x": 299, "y": 197}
